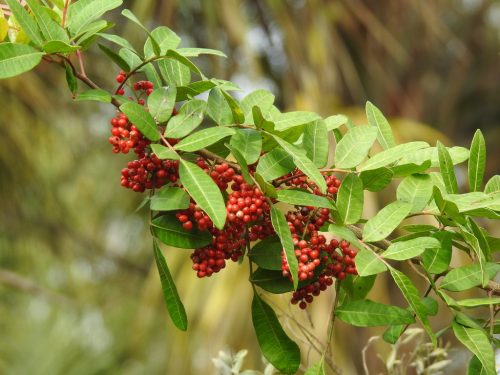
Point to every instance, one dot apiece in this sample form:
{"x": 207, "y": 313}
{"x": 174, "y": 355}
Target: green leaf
{"x": 71, "y": 79}
{"x": 161, "y": 102}
{"x": 366, "y": 313}
{"x": 164, "y": 152}
{"x": 431, "y": 306}
{"x": 377, "y": 119}
{"x": 493, "y": 185}
{"x": 142, "y": 120}
{"x": 344, "y": 233}
{"x": 193, "y": 89}
{"x": 260, "y": 98}
{"x": 174, "y": 73}
{"x": 242, "y": 163}
{"x": 173, "y": 54}
{"x": 477, "y": 342}
{"x": 271, "y": 281}
{"x": 417, "y": 190}
{"x": 447, "y": 171}
{"x": 238, "y": 115}
{"x": 315, "y": 141}
{"x": 276, "y": 346}
{"x": 376, "y": 179}
{"x": 83, "y": 12}
{"x": 437, "y": 260}
{"x": 90, "y": 33}
{"x": 168, "y": 229}
{"x": 166, "y": 40}
{"x": 368, "y": 263}
{"x": 17, "y": 58}
{"x": 475, "y": 367}
{"x": 97, "y": 95}
{"x": 189, "y": 118}
{"x": 477, "y": 161}
{"x": 354, "y": 146}
{"x": 290, "y": 120}
{"x": 467, "y": 277}
{"x": 335, "y": 121}
{"x": 385, "y": 221}
{"x": 117, "y": 59}
{"x": 58, "y": 46}
{"x": 302, "y": 198}
{"x": 473, "y": 241}
{"x": 249, "y": 143}
{"x": 118, "y": 40}
{"x": 391, "y": 155}
{"x": 218, "y": 108}
{"x": 303, "y": 163}
{"x": 204, "y": 191}
{"x": 416, "y": 228}
{"x": 474, "y": 302}
{"x": 169, "y": 198}
{"x": 27, "y": 22}
{"x": 404, "y": 170}
{"x": 174, "y": 304}
{"x": 275, "y": 164}
{"x": 445, "y": 207}
{"x": 267, "y": 253}
{"x": 393, "y": 333}
{"x": 357, "y": 287}
{"x": 409, "y": 249}
{"x": 350, "y": 199}
{"x": 260, "y": 121}
{"x": 316, "y": 369}
{"x": 458, "y": 155}
{"x": 283, "y": 231}
{"x": 412, "y": 296}
{"x": 195, "y": 52}
{"x": 131, "y": 58}
{"x": 267, "y": 188}
{"x": 49, "y": 28}
{"x": 203, "y": 138}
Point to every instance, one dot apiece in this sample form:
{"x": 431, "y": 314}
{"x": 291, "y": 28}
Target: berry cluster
{"x": 149, "y": 172}
{"x": 297, "y": 179}
{"x": 194, "y": 214}
{"x": 125, "y": 136}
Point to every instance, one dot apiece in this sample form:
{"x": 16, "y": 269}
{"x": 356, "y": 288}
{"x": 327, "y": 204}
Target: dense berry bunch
{"x": 297, "y": 179}
{"x": 222, "y": 174}
{"x": 125, "y": 136}
{"x": 194, "y": 215}
{"x": 306, "y": 294}
{"x": 246, "y": 204}
{"x": 149, "y": 172}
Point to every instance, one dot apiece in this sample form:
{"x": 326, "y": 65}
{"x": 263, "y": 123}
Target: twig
{"x": 65, "y": 10}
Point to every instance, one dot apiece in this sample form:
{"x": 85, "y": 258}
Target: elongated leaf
{"x": 276, "y": 346}
{"x": 204, "y": 191}
{"x": 271, "y": 281}
{"x": 411, "y": 295}
{"x": 25, "y": 20}
{"x": 204, "y": 138}
{"x": 142, "y": 119}
{"x": 384, "y": 133}
{"x": 342, "y": 232}
{"x": 315, "y": 142}
{"x": 267, "y": 253}
{"x": 376, "y": 179}
{"x": 403, "y": 170}
{"x": 292, "y": 119}
{"x": 316, "y": 369}
{"x": 350, "y": 199}
{"x": 275, "y": 164}
{"x": 71, "y": 79}
{"x": 477, "y": 342}
{"x": 302, "y": 198}
{"x": 368, "y": 263}
{"x": 195, "y": 52}
{"x": 283, "y": 231}
{"x": 409, "y": 249}
{"x": 17, "y": 58}
{"x": 303, "y": 163}
{"x": 174, "y": 72}
{"x": 83, "y": 12}
{"x": 118, "y": 40}
{"x": 249, "y": 144}
{"x": 58, "y": 46}
{"x": 161, "y": 103}
{"x": 164, "y": 152}
{"x": 473, "y": 241}
{"x": 475, "y": 302}
{"x": 165, "y": 38}
{"x": 238, "y": 115}
{"x": 357, "y": 287}
{"x": 260, "y": 98}
{"x": 174, "y": 304}
{"x": 189, "y": 118}
{"x": 169, "y": 230}
{"x": 417, "y": 190}
{"x": 335, "y": 121}
{"x": 97, "y": 95}
{"x": 169, "y": 198}
{"x": 50, "y": 29}
{"x": 389, "y": 156}
{"x": 267, "y": 188}
{"x": 385, "y": 221}
{"x": 476, "y": 367}
{"x": 493, "y": 185}
{"x": 242, "y": 163}
{"x": 117, "y": 59}
{"x": 458, "y": 155}
{"x": 437, "y": 260}
{"x": 90, "y": 33}
{"x": 218, "y": 108}
{"x": 447, "y": 171}
{"x": 354, "y": 146}
{"x": 477, "y": 161}
{"x": 366, "y": 313}
{"x": 131, "y": 58}
{"x": 467, "y": 277}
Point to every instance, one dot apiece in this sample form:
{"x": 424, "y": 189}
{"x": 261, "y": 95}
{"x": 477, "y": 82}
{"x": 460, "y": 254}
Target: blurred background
{"x": 79, "y": 291}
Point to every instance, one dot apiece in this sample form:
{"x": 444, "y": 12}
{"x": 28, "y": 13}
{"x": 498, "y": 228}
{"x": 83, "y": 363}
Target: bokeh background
{"x": 79, "y": 291}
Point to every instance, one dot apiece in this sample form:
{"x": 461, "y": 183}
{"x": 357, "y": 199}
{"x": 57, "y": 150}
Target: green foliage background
{"x": 79, "y": 291}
